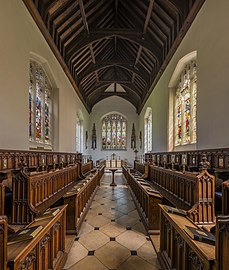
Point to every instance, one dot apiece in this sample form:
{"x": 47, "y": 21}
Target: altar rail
{"x": 190, "y": 191}
{"x": 79, "y": 200}
{"x": 178, "y": 251}
{"x": 147, "y": 202}
{"x": 45, "y": 251}
{"x": 33, "y": 194}
{"x": 37, "y": 160}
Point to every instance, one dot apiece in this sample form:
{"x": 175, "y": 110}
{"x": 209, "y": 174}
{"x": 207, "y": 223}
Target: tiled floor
{"x": 112, "y": 235}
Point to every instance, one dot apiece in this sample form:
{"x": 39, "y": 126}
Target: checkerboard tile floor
{"x": 112, "y": 235}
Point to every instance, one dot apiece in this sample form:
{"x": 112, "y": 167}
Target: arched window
{"x": 40, "y": 106}
{"x": 148, "y": 130}
{"x": 79, "y": 135}
{"x": 114, "y": 132}
{"x": 185, "y": 106}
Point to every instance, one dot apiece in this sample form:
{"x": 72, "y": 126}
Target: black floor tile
{"x": 129, "y": 228}
{"x": 100, "y": 214}
{"x": 133, "y": 253}
{"x": 112, "y": 238}
{"x": 96, "y": 228}
{"x": 112, "y": 220}
{"x": 91, "y": 253}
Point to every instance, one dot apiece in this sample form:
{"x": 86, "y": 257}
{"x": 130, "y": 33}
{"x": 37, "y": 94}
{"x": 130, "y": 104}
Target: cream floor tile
{"x": 126, "y": 208}
{"x": 134, "y": 214}
{"x": 131, "y": 240}
{"x": 146, "y": 252}
{"x": 127, "y": 221}
{"x": 77, "y": 253}
{"x": 112, "y": 254}
{"x": 136, "y": 263}
{"x": 139, "y": 228}
{"x": 94, "y": 240}
{"x": 112, "y": 214}
{"x": 98, "y": 221}
{"x": 89, "y": 263}
{"x": 113, "y": 229}
{"x": 85, "y": 228}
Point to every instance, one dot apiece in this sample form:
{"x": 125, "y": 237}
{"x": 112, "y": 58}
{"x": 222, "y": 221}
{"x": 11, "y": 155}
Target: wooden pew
{"x": 193, "y": 192}
{"x": 140, "y": 167}
{"x": 46, "y": 250}
{"x": 79, "y": 200}
{"x": 3, "y": 242}
{"x": 146, "y": 199}
{"x": 179, "y": 251}
{"x": 87, "y": 167}
{"x": 225, "y": 198}
{"x": 2, "y": 199}
{"x": 33, "y": 194}
{"x": 222, "y": 242}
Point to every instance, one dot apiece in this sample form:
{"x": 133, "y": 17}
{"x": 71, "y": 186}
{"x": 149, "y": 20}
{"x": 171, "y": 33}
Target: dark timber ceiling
{"x": 114, "y": 47}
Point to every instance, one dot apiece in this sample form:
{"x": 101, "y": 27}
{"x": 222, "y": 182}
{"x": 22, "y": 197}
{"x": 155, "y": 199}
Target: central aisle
{"x": 112, "y": 235}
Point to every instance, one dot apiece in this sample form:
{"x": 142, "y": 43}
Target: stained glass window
{"x": 114, "y": 132}
{"x": 40, "y": 105}
{"x": 148, "y": 131}
{"x": 185, "y": 106}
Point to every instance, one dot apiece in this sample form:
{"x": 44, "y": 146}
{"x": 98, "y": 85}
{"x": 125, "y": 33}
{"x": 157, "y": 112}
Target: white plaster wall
{"x": 108, "y": 105}
{"x": 208, "y": 35}
{"x": 19, "y": 37}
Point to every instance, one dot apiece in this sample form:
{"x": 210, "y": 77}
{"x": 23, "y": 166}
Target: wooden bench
{"x": 44, "y": 252}
{"x": 193, "y": 192}
{"x": 79, "y": 200}
{"x": 33, "y": 194}
{"x": 179, "y": 251}
{"x": 87, "y": 167}
{"x": 3, "y": 242}
{"x": 146, "y": 199}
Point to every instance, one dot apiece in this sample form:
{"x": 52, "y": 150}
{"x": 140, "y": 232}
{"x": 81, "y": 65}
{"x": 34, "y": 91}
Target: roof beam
{"x": 83, "y": 14}
{"x": 109, "y": 63}
{"x": 147, "y": 19}
{"x": 100, "y": 85}
{"x": 85, "y": 39}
